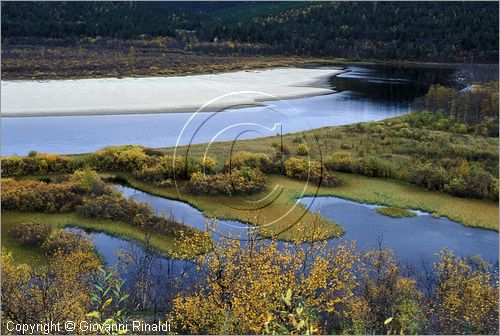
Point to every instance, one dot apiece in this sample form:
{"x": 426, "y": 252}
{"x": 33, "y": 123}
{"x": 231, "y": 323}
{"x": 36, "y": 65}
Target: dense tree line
{"x": 88, "y": 18}
{"x": 451, "y": 31}
{"x": 389, "y": 30}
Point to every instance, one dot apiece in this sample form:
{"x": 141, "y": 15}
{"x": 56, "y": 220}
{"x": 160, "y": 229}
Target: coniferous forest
{"x": 424, "y": 31}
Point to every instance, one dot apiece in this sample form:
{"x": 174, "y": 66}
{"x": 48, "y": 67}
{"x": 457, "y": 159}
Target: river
{"x": 412, "y": 239}
{"x": 363, "y": 93}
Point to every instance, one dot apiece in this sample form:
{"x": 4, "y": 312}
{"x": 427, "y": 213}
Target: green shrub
{"x": 89, "y": 181}
{"x": 429, "y": 176}
{"x": 30, "y": 233}
{"x": 476, "y": 184}
{"x": 291, "y": 316}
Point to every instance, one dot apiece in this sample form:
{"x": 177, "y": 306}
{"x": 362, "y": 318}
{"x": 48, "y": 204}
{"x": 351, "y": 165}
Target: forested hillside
{"x": 426, "y": 31}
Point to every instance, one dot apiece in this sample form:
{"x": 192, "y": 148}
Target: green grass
{"x": 34, "y": 256}
{"x": 396, "y": 149}
{"x": 395, "y": 212}
{"x": 384, "y": 192}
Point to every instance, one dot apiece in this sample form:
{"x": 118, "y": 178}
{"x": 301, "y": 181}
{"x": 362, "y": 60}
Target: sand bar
{"x": 160, "y": 94}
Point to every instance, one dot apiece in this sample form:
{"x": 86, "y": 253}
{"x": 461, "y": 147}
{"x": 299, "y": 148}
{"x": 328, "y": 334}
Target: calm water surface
{"x": 412, "y": 239}
{"x": 363, "y": 94}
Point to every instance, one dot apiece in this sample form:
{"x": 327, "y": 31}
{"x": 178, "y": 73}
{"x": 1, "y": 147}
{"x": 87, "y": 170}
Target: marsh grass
{"x": 280, "y": 216}
{"x": 395, "y": 212}
{"x": 379, "y": 191}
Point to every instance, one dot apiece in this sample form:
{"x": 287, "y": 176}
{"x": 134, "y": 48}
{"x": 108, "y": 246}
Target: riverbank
{"x": 163, "y": 244}
{"x": 161, "y": 94}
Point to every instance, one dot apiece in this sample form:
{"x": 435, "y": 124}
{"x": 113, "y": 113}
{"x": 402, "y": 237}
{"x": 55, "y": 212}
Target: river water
{"x": 412, "y": 239}
{"x": 362, "y": 94}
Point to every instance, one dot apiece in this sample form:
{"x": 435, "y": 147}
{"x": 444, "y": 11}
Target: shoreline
{"x": 154, "y": 95}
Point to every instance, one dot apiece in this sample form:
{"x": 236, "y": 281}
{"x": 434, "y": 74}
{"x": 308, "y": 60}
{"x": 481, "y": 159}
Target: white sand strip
{"x": 158, "y": 94}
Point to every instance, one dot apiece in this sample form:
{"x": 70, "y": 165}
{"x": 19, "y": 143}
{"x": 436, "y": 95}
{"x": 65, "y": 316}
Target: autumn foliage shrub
{"x": 167, "y": 167}
{"x": 67, "y": 243}
{"x": 341, "y": 161}
{"x": 119, "y": 158}
{"x": 38, "y": 164}
{"x": 241, "y": 181}
{"x": 29, "y": 195}
{"x": 373, "y": 166}
{"x": 302, "y": 149}
{"x": 462, "y": 180}
{"x": 297, "y": 168}
{"x": 30, "y": 233}
{"x": 313, "y": 171}
{"x": 259, "y": 161}
{"x": 465, "y": 298}
{"x": 113, "y": 206}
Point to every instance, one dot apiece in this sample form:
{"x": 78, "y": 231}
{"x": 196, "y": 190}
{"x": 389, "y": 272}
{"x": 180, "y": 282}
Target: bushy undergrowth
{"x": 50, "y": 240}
{"x": 406, "y": 148}
{"x": 89, "y": 198}
{"x": 30, "y": 233}
{"x": 313, "y": 171}
{"x": 30, "y": 195}
{"x": 325, "y": 290}
{"x": 241, "y": 181}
